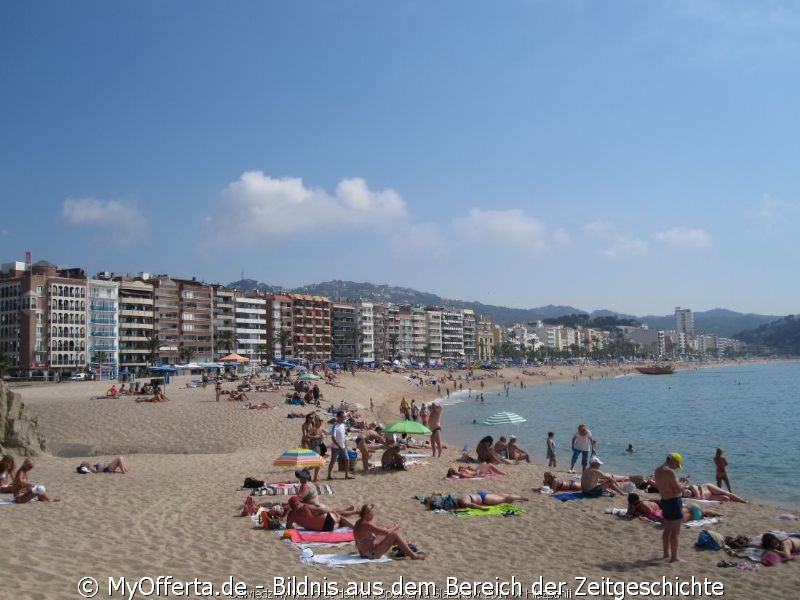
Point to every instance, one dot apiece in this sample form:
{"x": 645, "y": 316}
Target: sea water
{"x": 749, "y": 410}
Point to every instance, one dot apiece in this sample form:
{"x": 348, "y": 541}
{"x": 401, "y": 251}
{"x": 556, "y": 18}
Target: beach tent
{"x": 234, "y": 358}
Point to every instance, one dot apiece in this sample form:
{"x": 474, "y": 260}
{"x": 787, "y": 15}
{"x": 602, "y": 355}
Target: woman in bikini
{"x": 559, "y": 485}
{"x": 709, "y": 491}
{"x": 309, "y": 494}
{"x": 482, "y": 500}
{"x": 114, "y": 466}
{"x": 649, "y": 510}
{"x": 7, "y": 466}
{"x": 307, "y": 431}
{"x": 373, "y": 541}
{"x": 480, "y": 471}
{"x": 788, "y": 547}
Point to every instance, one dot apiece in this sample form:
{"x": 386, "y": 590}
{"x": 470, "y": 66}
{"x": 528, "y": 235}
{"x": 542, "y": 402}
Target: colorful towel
{"x": 504, "y": 510}
{"x": 325, "y": 537}
{"x": 337, "y": 560}
{"x": 288, "y": 489}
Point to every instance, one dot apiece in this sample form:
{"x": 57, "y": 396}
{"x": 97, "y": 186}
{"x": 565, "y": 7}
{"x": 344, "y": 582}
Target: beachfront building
{"x": 487, "y": 337}
{"x": 223, "y": 321}
{"x": 380, "y": 332}
{"x": 470, "y": 335}
{"x": 365, "y": 322}
{"x": 279, "y": 326}
{"x": 195, "y": 317}
{"x": 166, "y": 319}
{"x": 251, "y": 326}
{"x": 311, "y": 326}
{"x": 42, "y": 318}
{"x": 452, "y": 335}
{"x": 136, "y": 323}
{"x": 345, "y": 331}
{"x": 432, "y": 348}
{"x": 684, "y": 320}
{"x": 102, "y": 313}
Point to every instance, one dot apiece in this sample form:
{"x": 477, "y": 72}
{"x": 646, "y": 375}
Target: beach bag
{"x": 437, "y": 502}
{"x": 252, "y": 484}
{"x": 707, "y": 541}
{"x": 398, "y": 553}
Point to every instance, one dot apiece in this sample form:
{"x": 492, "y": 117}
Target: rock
{"x": 18, "y": 431}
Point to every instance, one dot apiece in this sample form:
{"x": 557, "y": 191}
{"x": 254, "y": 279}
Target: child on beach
{"x": 722, "y": 469}
{"x": 551, "y": 450}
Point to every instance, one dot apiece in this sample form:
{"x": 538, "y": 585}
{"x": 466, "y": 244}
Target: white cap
{"x": 38, "y": 489}
{"x": 595, "y": 461}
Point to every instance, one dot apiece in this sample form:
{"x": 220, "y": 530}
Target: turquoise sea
{"x": 750, "y": 410}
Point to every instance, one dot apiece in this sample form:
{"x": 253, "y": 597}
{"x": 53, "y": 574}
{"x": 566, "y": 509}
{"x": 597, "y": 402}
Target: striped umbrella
{"x": 297, "y": 458}
{"x": 504, "y": 418}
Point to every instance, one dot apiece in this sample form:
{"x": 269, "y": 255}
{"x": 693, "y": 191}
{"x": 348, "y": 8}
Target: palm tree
{"x": 225, "y": 340}
{"x": 187, "y": 352}
{"x": 393, "y": 339}
{"x": 153, "y": 344}
{"x": 262, "y": 349}
{"x": 354, "y": 334}
{"x": 427, "y": 349}
{"x": 284, "y": 338}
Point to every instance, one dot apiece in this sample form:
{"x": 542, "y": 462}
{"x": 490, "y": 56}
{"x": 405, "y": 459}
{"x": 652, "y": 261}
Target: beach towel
{"x": 304, "y": 536}
{"x": 503, "y": 510}
{"x": 288, "y": 489}
{"x": 337, "y": 560}
{"x": 565, "y": 496}
{"x": 702, "y": 522}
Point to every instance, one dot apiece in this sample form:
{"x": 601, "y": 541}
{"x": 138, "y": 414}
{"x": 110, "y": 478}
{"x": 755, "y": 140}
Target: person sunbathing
{"x": 787, "y": 547}
{"x": 373, "y": 541}
{"x": 482, "y": 500}
{"x": 650, "y": 510}
{"x": 515, "y": 452}
{"x": 480, "y": 471}
{"x": 486, "y": 453}
{"x": 33, "y": 492}
{"x": 116, "y": 465}
{"x": 21, "y": 480}
{"x": 262, "y": 405}
{"x": 313, "y": 517}
{"x": 709, "y": 491}
{"x": 594, "y": 482}
{"x": 112, "y": 391}
{"x": 559, "y": 485}
{"x": 391, "y": 459}
{"x": 238, "y": 396}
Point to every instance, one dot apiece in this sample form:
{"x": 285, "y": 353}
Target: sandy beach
{"x": 176, "y": 513}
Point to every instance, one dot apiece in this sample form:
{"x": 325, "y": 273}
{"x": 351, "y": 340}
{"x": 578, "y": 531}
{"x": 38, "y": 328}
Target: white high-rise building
{"x": 684, "y": 320}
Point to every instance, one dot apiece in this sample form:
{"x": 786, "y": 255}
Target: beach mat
{"x": 337, "y": 560}
{"x": 565, "y": 496}
{"x": 502, "y": 510}
{"x": 304, "y": 536}
{"x": 288, "y": 489}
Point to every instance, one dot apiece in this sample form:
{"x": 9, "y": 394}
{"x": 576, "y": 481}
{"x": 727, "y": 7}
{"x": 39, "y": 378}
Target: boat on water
{"x": 656, "y": 370}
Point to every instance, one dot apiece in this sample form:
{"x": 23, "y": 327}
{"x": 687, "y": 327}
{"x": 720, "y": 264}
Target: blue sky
{"x": 632, "y": 156}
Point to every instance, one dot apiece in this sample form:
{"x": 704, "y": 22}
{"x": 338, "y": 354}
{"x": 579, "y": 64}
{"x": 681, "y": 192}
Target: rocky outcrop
{"x": 18, "y": 431}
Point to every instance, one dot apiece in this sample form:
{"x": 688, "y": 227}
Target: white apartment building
{"x": 251, "y": 326}
{"x": 102, "y": 313}
{"x": 453, "y": 335}
{"x": 365, "y": 321}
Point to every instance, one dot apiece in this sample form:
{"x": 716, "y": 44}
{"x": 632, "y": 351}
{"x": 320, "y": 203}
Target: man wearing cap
{"x": 671, "y": 492}
{"x": 594, "y": 482}
{"x": 315, "y": 518}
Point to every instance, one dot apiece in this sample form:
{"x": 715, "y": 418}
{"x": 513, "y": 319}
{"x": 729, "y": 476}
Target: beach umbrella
{"x": 504, "y": 418}
{"x": 305, "y": 376}
{"x": 409, "y": 427}
{"x": 234, "y": 358}
{"x": 297, "y": 458}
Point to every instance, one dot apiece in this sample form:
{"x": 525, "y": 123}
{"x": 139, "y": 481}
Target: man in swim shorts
{"x": 671, "y": 492}
{"x": 594, "y": 482}
{"x": 435, "y": 425}
{"x": 315, "y": 518}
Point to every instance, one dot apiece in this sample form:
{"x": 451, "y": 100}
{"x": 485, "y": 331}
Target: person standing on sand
{"x": 722, "y": 469}
{"x": 218, "y": 388}
{"x": 551, "y": 450}
{"x": 671, "y": 492}
{"x": 435, "y": 425}
{"x": 339, "y": 447}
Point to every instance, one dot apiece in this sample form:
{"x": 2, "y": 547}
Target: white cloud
{"x": 685, "y": 237}
{"x": 771, "y": 211}
{"x": 508, "y": 227}
{"x": 91, "y": 211}
{"x": 622, "y": 246}
{"x": 257, "y": 205}
{"x": 598, "y": 230}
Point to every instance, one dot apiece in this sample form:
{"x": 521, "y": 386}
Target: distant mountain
{"x": 780, "y": 336}
{"x": 718, "y": 321}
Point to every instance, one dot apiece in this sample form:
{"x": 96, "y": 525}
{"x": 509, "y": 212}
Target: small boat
{"x": 656, "y": 370}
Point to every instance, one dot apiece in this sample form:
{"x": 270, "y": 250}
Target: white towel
{"x": 336, "y": 560}
{"x": 702, "y": 522}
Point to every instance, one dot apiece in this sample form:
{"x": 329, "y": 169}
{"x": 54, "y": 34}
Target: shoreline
{"x": 176, "y": 511}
